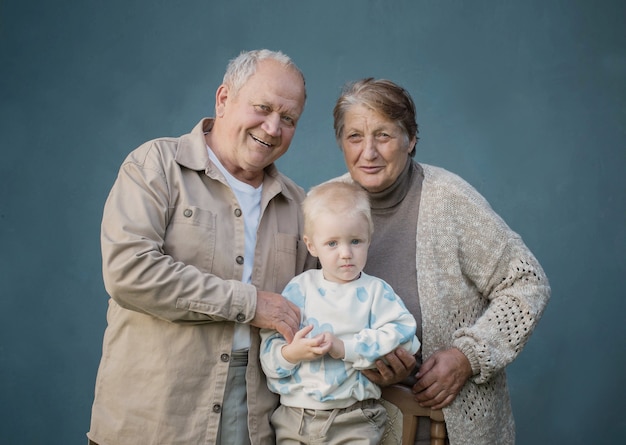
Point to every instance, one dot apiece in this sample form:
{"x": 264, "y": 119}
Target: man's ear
{"x": 221, "y": 97}
{"x": 309, "y": 245}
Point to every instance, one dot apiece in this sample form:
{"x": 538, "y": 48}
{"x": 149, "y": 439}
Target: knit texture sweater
{"x": 482, "y": 291}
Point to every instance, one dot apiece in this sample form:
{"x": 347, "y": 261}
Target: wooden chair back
{"x": 402, "y": 397}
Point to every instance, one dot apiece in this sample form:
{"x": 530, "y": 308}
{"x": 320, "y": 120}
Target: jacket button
{"x": 217, "y": 408}
{"x": 237, "y": 213}
{"x": 188, "y": 212}
{"x": 239, "y": 259}
{"x": 241, "y": 318}
{"x": 224, "y": 357}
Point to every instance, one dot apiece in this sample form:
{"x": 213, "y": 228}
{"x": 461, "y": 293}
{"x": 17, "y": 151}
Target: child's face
{"x": 340, "y": 242}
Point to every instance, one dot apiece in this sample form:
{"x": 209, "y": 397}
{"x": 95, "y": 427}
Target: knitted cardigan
{"x": 482, "y": 291}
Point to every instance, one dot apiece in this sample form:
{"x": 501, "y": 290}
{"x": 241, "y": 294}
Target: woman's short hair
{"x": 384, "y": 97}
{"x": 337, "y": 197}
{"x": 242, "y": 67}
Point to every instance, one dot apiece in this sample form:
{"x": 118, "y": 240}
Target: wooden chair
{"x": 402, "y": 397}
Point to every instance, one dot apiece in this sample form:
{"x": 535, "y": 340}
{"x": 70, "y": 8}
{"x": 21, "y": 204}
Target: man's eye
{"x": 289, "y": 120}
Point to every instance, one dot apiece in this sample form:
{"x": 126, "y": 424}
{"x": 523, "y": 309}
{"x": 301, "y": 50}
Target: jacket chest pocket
{"x": 190, "y": 236}
{"x": 285, "y": 259}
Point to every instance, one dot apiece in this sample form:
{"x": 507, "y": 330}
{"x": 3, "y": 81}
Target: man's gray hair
{"x": 242, "y": 67}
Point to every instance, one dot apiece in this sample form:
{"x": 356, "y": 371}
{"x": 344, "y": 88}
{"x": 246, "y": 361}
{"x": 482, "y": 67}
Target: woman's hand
{"x": 441, "y": 378}
{"x": 400, "y": 364}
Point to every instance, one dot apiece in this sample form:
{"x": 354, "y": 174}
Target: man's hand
{"x": 441, "y": 378}
{"x": 400, "y": 365}
{"x": 273, "y": 311}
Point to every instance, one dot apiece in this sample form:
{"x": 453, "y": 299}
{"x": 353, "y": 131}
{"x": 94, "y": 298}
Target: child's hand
{"x": 306, "y": 349}
{"x": 337, "y": 349}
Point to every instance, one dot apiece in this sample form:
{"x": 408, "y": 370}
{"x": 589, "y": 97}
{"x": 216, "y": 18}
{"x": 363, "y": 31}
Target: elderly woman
{"x": 475, "y": 289}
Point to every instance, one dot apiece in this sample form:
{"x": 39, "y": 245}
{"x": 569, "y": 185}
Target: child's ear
{"x": 309, "y": 245}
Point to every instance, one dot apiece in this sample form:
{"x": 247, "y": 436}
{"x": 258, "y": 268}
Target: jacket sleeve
{"x": 391, "y": 326}
{"x": 138, "y": 273}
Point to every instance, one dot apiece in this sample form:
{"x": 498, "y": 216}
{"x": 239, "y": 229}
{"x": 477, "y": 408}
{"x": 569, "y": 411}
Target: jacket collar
{"x": 191, "y": 152}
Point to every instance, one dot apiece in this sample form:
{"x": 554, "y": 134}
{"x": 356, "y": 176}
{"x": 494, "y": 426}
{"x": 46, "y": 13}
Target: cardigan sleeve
{"x": 494, "y": 286}
{"x": 517, "y": 291}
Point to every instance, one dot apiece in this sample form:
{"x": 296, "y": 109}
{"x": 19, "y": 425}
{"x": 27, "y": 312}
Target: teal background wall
{"x": 524, "y": 99}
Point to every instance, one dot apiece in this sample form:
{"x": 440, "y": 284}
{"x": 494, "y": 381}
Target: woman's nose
{"x": 369, "y": 149}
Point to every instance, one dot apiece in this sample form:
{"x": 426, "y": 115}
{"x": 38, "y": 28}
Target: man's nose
{"x": 271, "y": 124}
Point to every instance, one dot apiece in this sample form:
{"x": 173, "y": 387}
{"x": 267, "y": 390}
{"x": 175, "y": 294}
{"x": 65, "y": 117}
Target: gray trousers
{"x": 233, "y": 428}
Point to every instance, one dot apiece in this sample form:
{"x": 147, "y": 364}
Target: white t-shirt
{"x": 249, "y": 199}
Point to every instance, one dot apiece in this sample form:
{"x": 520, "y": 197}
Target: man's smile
{"x": 261, "y": 141}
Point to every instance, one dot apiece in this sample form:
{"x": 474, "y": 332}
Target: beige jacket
{"x": 172, "y": 244}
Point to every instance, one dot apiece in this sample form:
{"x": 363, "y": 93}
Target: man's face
{"x": 259, "y": 120}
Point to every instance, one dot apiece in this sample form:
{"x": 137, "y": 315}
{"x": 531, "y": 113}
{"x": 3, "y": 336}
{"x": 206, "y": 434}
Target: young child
{"x": 349, "y": 319}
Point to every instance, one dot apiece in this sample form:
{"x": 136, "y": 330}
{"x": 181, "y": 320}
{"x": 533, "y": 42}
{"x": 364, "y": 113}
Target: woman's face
{"x": 375, "y": 148}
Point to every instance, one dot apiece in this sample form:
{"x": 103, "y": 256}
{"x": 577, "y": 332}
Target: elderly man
{"x": 200, "y": 234}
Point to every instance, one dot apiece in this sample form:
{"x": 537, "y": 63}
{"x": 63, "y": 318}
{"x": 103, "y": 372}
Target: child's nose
{"x": 346, "y": 252}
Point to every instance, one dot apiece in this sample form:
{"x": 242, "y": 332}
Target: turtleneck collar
{"x": 395, "y": 193}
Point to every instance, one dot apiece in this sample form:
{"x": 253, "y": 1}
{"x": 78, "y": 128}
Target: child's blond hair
{"x": 336, "y": 197}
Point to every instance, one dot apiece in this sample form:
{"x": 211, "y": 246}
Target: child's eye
{"x": 332, "y": 243}
{"x": 356, "y": 241}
